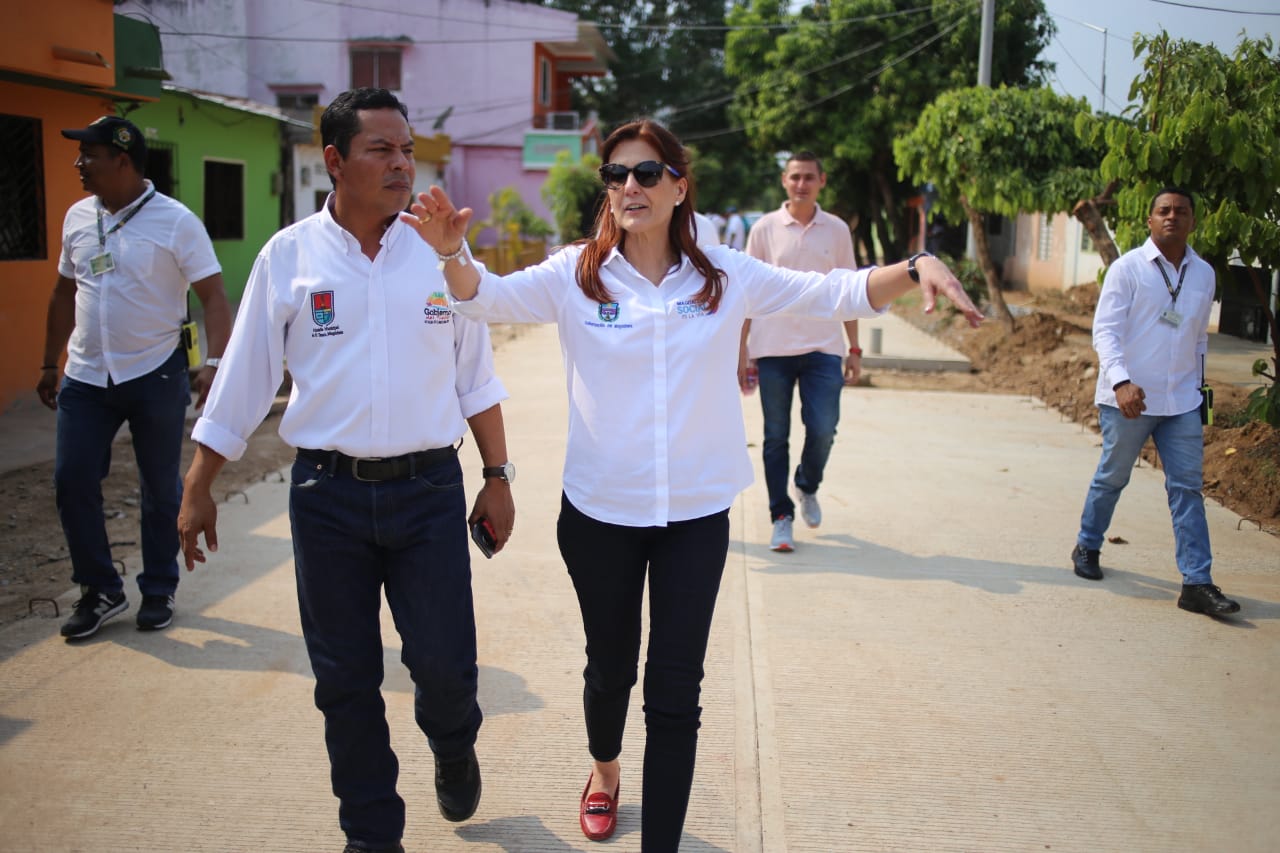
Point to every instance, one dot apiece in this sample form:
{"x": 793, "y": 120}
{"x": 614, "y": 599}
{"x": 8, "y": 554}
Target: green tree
{"x": 670, "y": 66}
{"x": 844, "y": 78}
{"x": 999, "y": 151}
{"x": 1211, "y": 123}
{"x": 573, "y": 192}
{"x": 511, "y": 219}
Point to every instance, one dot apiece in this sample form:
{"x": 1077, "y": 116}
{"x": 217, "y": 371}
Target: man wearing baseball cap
{"x": 129, "y": 255}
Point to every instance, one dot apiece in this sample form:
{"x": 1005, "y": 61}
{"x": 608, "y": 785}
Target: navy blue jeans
{"x": 351, "y": 541}
{"x": 89, "y": 417}
{"x": 608, "y": 564}
{"x": 820, "y": 376}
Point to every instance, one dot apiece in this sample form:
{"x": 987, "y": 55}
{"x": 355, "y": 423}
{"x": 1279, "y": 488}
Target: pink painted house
{"x": 486, "y": 81}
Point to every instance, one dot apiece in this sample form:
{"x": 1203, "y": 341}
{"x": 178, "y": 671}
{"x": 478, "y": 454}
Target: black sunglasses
{"x": 647, "y": 173}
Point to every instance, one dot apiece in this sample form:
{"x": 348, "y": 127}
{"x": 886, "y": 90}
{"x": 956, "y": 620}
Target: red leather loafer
{"x": 598, "y": 813}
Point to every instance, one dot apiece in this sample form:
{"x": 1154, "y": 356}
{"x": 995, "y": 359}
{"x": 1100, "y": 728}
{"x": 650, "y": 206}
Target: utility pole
{"x": 1102, "y": 106}
{"x": 988, "y": 37}
{"x": 984, "y": 79}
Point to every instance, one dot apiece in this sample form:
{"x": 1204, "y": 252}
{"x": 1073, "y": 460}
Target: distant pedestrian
{"x": 799, "y": 352}
{"x": 735, "y": 229}
{"x": 1151, "y": 334}
{"x": 705, "y": 232}
{"x": 650, "y": 324}
{"x": 129, "y": 255}
{"x": 386, "y": 379}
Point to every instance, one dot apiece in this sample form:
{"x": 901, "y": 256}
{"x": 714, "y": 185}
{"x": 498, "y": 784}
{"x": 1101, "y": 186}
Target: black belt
{"x": 378, "y": 469}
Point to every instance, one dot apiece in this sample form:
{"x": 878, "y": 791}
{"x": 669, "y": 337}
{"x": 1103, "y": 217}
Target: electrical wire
{"x": 1216, "y": 8}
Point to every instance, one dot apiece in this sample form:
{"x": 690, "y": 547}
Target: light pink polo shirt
{"x": 824, "y": 244}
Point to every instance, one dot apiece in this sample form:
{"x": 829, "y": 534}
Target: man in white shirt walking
{"x": 386, "y": 380}
{"x": 129, "y": 255}
{"x": 735, "y": 229}
{"x": 1151, "y": 334}
{"x": 793, "y": 351}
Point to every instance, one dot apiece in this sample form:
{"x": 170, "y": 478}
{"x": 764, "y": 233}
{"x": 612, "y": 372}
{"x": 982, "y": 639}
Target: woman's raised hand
{"x": 437, "y": 221}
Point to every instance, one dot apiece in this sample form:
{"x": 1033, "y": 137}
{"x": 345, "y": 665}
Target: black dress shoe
{"x": 1085, "y": 561}
{"x": 1206, "y": 598}
{"x": 458, "y": 785}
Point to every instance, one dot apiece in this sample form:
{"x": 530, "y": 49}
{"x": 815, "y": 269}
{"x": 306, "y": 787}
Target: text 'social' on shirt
{"x": 655, "y": 415}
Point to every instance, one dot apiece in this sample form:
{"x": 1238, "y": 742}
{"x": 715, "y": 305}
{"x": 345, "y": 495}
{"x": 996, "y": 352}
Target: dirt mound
{"x": 1050, "y": 355}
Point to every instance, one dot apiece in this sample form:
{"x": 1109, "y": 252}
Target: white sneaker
{"x": 781, "y": 540}
{"x": 809, "y": 509}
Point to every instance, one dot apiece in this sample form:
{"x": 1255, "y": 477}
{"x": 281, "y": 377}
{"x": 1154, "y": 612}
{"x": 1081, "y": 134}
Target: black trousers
{"x": 608, "y": 564}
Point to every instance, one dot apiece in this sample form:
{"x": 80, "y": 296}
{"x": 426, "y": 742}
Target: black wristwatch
{"x": 505, "y": 471}
{"x": 911, "y": 265}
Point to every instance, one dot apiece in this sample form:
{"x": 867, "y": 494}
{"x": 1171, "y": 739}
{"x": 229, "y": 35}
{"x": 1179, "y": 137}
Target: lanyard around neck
{"x": 1182, "y": 274}
{"x": 103, "y": 235}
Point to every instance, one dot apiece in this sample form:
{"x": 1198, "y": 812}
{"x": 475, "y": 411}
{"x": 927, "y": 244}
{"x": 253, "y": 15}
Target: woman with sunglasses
{"x": 657, "y": 449}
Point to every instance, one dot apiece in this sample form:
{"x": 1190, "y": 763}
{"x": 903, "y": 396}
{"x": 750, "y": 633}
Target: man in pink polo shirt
{"x": 788, "y": 351}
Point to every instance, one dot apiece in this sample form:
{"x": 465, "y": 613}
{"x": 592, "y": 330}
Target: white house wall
{"x": 310, "y": 178}
{"x": 472, "y": 56}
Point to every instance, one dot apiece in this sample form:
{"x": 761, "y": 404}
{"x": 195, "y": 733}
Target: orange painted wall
{"x": 33, "y": 29}
{"x": 31, "y": 32}
{"x": 28, "y": 284}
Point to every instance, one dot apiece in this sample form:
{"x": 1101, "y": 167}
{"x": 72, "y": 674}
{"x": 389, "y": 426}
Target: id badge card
{"x": 1173, "y": 318}
{"x": 102, "y": 263}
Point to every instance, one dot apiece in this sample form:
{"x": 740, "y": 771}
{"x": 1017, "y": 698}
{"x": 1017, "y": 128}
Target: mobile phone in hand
{"x": 482, "y": 535}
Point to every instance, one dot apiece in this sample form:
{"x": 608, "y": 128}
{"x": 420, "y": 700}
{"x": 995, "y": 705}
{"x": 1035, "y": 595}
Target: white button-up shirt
{"x": 1134, "y": 343}
{"x": 820, "y": 245}
{"x": 380, "y": 364}
{"x": 129, "y": 319}
{"x": 656, "y": 432}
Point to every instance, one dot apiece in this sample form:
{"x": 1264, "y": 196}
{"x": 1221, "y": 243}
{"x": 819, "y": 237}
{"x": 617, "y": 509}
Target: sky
{"x": 1077, "y": 49}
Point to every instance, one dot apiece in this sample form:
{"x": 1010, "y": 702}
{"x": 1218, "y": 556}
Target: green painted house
{"x": 226, "y": 159}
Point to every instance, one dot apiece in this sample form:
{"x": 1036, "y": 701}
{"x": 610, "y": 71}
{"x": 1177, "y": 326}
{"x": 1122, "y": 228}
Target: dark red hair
{"x": 608, "y": 235}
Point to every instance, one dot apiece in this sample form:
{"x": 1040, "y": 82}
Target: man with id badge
{"x": 1151, "y": 332}
{"x": 129, "y": 255}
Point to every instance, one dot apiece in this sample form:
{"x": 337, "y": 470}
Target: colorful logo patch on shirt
{"x": 688, "y": 309}
{"x": 437, "y": 310}
{"x": 322, "y": 307}
{"x": 609, "y": 311}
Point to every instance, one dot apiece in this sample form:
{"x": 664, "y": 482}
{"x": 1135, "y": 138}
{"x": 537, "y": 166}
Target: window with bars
{"x": 224, "y": 200}
{"x": 376, "y": 67}
{"x": 22, "y": 216}
{"x": 162, "y": 167}
{"x": 1086, "y": 242}
{"x": 1045, "y": 246}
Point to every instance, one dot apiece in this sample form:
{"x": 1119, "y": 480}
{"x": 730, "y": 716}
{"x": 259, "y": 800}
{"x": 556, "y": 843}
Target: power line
{"x": 838, "y": 92}
{"x": 719, "y": 99}
{"x": 1087, "y": 78}
{"x": 1216, "y": 9}
{"x": 670, "y": 27}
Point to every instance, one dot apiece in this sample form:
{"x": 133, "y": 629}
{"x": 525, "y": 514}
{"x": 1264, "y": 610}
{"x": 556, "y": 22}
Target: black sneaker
{"x": 93, "y": 608}
{"x": 1085, "y": 561}
{"x": 155, "y": 613}
{"x": 358, "y": 847}
{"x": 458, "y": 785}
{"x": 1207, "y": 599}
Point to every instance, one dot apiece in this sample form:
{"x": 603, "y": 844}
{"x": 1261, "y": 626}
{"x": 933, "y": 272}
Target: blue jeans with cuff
{"x": 155, "y": 407}
{"x": 352, "y": 541}
{"x": 820, "y": 376}
{"x": 1179, "y": 439}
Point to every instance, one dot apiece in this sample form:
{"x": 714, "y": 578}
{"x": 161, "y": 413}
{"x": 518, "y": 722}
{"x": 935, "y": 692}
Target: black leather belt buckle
{"x": 375, "y": 469}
